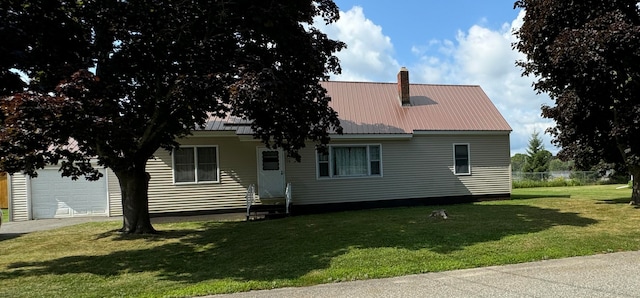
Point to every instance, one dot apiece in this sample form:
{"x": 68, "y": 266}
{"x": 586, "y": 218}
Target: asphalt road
{"x": 605, "y": 275}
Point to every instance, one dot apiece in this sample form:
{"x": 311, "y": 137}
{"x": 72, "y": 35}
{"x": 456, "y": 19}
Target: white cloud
{"x": 485, "y": 57}
{"x": 369, "y": 53}
{"x": 478, "y": 56}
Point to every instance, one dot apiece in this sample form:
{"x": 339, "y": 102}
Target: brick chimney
{"x": 403, "y": 86}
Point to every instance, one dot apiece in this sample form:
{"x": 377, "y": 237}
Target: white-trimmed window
{"x": 349, "y": 161}
{"x": 461, "y": 160}
{"x": 196, "y": 164}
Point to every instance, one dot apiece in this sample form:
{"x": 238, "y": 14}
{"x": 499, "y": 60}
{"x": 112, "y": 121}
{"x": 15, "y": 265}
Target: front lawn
{"x": 199, "y": 258}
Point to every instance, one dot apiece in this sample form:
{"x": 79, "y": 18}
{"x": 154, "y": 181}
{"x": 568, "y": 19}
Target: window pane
{"x": 207, "y": 167}
{"x": 184, "y": 174}
{"x": 184, "y": 166}
{"x": 184, "y": 156}
{"x": 461, "y": 159}
{"x": 207, "y": 172}
{"x": 323, "y": 164}
{"x": 374, "y": 152}
{"x": 323, "y": 156}
{"x": 375, "y": 168}
{"x": 350, "y": 161}
{"x": 461, "y": 151}
{"x": 323, "y": 169}
{"x": 270, "y": 160}
{"x": 207, "y": 155}
{"x": 462, "y": 166}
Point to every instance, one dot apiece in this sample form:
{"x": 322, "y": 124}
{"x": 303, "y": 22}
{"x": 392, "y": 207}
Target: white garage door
{"x": 53, "y": 196}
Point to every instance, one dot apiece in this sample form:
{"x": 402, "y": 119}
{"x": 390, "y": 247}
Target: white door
{"x": 270, "y": 173}
{"x": 53, "y": 196}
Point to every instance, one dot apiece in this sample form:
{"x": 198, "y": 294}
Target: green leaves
{"x": 132, "y": 76}
{"x": 587, "y": 57}
{"x": 538, "y": 158}
{"x": 121, "y": 79}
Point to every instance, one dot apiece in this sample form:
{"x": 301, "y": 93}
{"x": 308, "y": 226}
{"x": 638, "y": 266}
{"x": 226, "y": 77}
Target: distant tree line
{"x": 539, "y": 160}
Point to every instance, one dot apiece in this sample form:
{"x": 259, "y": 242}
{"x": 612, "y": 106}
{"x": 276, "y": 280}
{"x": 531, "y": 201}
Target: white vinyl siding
{"x": 420, "y": 167}
{"x": 345, "y": 161}
{"x": 237, "y": 170}
{"x": 115, "y": 197}
{"x": 195, "y": 164}
{"x": 19, "y": 206}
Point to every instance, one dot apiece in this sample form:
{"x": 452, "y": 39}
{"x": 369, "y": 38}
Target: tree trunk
{"x": 635, "y": 192}
{"x": 134, "y": 186}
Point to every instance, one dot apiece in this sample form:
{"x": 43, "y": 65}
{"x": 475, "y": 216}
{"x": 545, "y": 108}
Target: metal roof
{"x": 375, "y": 108}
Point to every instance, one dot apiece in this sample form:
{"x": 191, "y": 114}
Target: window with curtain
{"x": 349, "y": 161}
{"x": 461, "y": 159}
{"x": 195, "y": 164}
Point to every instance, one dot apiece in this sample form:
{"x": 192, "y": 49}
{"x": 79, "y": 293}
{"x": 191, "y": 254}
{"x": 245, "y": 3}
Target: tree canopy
{"x": 517, "y": 162}
{"x": 556, "y": 164}
{"x": 118, "y": 80}
{"x": 586, "y": 56}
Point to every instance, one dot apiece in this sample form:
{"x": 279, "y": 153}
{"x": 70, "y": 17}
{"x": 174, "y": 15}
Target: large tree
{"x": 118, "y": 80}
{"x": 586, "y": 56}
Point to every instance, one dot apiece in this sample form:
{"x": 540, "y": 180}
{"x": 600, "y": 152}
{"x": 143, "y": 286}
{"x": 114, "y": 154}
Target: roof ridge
{"x": 394, "y": 83}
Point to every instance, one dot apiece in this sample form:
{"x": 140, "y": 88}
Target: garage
{"x": 53, "y": 196}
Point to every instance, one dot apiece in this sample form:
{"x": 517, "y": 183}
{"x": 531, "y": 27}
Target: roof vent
{"x": 403, "y": 86}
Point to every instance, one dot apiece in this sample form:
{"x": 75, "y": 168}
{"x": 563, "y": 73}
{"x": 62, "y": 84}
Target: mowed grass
{"x": 5, "y": 215}
{"x": 199, "y": 258}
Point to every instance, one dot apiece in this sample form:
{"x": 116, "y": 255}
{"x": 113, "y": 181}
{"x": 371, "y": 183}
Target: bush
{"x": 557, "y": 182}
{"x": 586, "y": 177}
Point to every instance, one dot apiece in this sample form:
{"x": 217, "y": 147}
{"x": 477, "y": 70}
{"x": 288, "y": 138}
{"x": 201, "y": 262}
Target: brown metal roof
{"x": 375, "y": 108}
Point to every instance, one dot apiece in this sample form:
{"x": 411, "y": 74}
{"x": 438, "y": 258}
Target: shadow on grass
{"x": 293, "y": 247}
{"x": 538, "y": 196}
{"x": 621, "y": 200}
{"x": 8, "y": 236}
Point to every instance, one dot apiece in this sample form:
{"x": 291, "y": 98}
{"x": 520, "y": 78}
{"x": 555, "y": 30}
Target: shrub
{"x": 556, "y": 182}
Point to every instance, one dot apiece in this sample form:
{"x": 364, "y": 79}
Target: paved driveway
{"x": 21, "y": 227}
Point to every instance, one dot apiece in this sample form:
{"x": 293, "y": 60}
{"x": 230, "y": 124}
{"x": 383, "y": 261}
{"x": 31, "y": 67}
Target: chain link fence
{"x": 559, "y": 178}
{"x": 584, "y": 177}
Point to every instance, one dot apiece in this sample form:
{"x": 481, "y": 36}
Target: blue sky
{"x": 443, "y": 42}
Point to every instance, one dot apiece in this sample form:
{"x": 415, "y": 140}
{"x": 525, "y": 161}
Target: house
{"x": 402, "y": 144}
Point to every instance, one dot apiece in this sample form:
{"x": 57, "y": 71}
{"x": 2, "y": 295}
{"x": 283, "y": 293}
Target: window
{"x": 195, "y": 165}
{"x": 461, "y": 164}
{"x": 349, "y": 161}
{"x": 270, "y": 160}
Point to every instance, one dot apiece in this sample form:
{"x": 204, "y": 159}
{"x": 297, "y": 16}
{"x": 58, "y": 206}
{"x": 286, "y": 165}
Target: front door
{"x": 270, "y": 173}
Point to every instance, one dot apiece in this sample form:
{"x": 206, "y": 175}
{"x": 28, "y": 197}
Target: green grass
{"x": 5, "y": 215}
{"x": 199, "y": 258}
